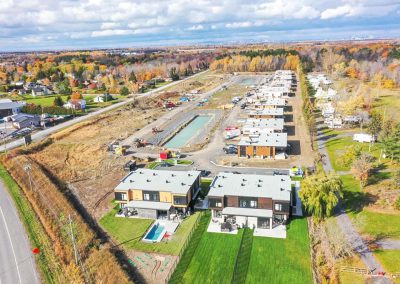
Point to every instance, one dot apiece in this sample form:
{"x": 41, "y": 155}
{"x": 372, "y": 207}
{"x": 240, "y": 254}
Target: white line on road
{"x": 12, "y": 246}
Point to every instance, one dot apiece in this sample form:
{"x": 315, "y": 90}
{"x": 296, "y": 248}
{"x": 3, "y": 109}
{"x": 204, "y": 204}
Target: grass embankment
{"x": 171, "y": 162}
{"x": 282, "y": 260}
{"x": 390, "y": 260}
{"x": 53, "y": 204}
{"x": 46, "y": 260}
{"x": 129, "y": 232}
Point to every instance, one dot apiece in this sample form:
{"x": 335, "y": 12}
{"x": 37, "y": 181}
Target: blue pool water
{"x": 155, "y": 233}
{"x": 182, "y": 137}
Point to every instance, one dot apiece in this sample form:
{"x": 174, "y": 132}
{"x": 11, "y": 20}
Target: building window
{"x": 247, "y": 202}
{"x": 180, "y": 200}
{"x": 263, "y": 223}
{"x": 151, "y": 196}
{"x": 119, "y": 196}
{"x": 215, "y": 202}
{"x": 278, "y": 207}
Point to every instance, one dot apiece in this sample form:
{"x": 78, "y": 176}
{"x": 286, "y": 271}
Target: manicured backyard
{"x": 271, "y": 260}
{"x": 129, "y": 231}
{"x": 390, "y": 260}
{"x": 282, "y": 260}
{"x": 214, "y": 259}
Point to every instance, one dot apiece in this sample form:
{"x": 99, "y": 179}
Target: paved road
{"x": 344, "y": 222}
{"x": 46, "y": 132}
{"x": 17, "y": 265}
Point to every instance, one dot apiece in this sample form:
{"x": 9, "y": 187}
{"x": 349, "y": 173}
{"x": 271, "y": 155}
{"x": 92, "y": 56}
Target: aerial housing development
{"x": 206, "y": 142}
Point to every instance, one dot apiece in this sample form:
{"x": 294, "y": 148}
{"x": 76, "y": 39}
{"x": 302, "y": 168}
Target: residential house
{"x": 40, "y": 91}
{"x": 247, "y": 200}
{"x": 102, "y": 98}
{"x": 22, "y": 120}
{"x": 262, "y": 145}
{"x": 75, "y": 104}
{"x": 157, "y": 194}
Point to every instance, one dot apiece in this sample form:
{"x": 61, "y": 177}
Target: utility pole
{"x": 73, "y": 239}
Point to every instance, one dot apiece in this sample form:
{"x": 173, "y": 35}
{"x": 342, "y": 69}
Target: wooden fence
{"x": 355, "y": 270}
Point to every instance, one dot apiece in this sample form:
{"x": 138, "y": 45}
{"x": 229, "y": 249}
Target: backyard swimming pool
{"x": 155, "y": 234}
{"x": 188, "y": 132}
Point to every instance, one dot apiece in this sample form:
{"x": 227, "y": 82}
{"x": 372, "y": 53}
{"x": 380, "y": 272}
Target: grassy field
{"x": 282, "y": 260}
{"x": 224, "y": 97}
{"x": 337, "y": 145}
{"x": 367, "y": 222}
{"x": 43, "y": 101}
{"x": 214, "y": 259}
{"x": 129, "y": 231}
{"x": 390, "y": 260}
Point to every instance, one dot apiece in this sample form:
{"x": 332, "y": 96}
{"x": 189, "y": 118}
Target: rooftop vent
{"x": 148, "y": 180}
{"x": 154, "y": 174}
{"x": 173, "y": 175}
{"x": 242, "y": 184}
{"x": 282, "y": 179}
{"x": 167, "y": 181}
{"x": 260, "y": 180}
{"x": 220, "y": 185}
{"x": 182, "y": 183}
{"x": 258, "y": 185}
{"x": 244, "y": 179}
{"x": 131, "y": 180}
{"x": 282, "y": 189}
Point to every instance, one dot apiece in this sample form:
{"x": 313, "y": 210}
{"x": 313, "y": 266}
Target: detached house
{"x": 157, "y": 194}
{"x": 246, "y": 200}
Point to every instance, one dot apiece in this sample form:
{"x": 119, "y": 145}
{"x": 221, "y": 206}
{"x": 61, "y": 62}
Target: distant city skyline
{"x": 79, "y": 24}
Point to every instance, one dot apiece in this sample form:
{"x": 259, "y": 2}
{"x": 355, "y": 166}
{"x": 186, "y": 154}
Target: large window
{"x": 247, "y": 202}
{"x": 121, "y": 196}
{"x": 263, "y": 223}
{"x": 151, "y": 196}
{"x": 180, "y": 200}
{"x": 214, "y": 202}
{"x": 281, "y": 207}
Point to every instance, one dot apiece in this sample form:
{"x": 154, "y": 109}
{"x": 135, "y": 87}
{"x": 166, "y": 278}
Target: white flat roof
{"x": 277, "y": 187}
{"x": 267, "y": 111}
{"x": 265, "y": 139}
{"x": 149, "y": 205}
{"x": 270, "y": 123}
{"x": 178, "y": 182}
{"x": 253, "y": 212}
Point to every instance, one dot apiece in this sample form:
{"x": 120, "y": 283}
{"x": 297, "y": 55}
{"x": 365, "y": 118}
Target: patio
{"x": 277, "y": 232}
{"x": 215, "y": 227}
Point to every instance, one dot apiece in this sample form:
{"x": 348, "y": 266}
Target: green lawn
{"x": 337, "y": 145}
{"x": 367, "y": 222}
{"x": 390, "y": 260}
{"x": 282, "y": 260}
{"x": 214, "y": 259}
{"x": 43, "y": 101}
{"x": 271, "y": 260}
{"x": 129, "y": 231}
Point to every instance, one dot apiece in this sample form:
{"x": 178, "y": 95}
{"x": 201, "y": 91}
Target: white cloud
{"x": 196, "y": 28}
{"x": 109, "y": 25}
{"x": 132, "y": 18}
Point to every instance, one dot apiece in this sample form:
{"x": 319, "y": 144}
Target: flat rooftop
{"x": 265, "y": 139}
{"x": 178, "y": 182}
{"x": 277, "y": 187}
{"x": 267, "y": 111}
{"x": 268, "y": 101}
{"x": 268, "y": 123}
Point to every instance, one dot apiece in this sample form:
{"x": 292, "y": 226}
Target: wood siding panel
{"x": 136, "y": 194}
{"x": 165, "y": 197}
{"x": 231, "y": 201}
{"x": 265, "y": 203}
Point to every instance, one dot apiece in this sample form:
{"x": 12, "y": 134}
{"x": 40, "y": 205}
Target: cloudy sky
{"x": 57, "y": 24}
